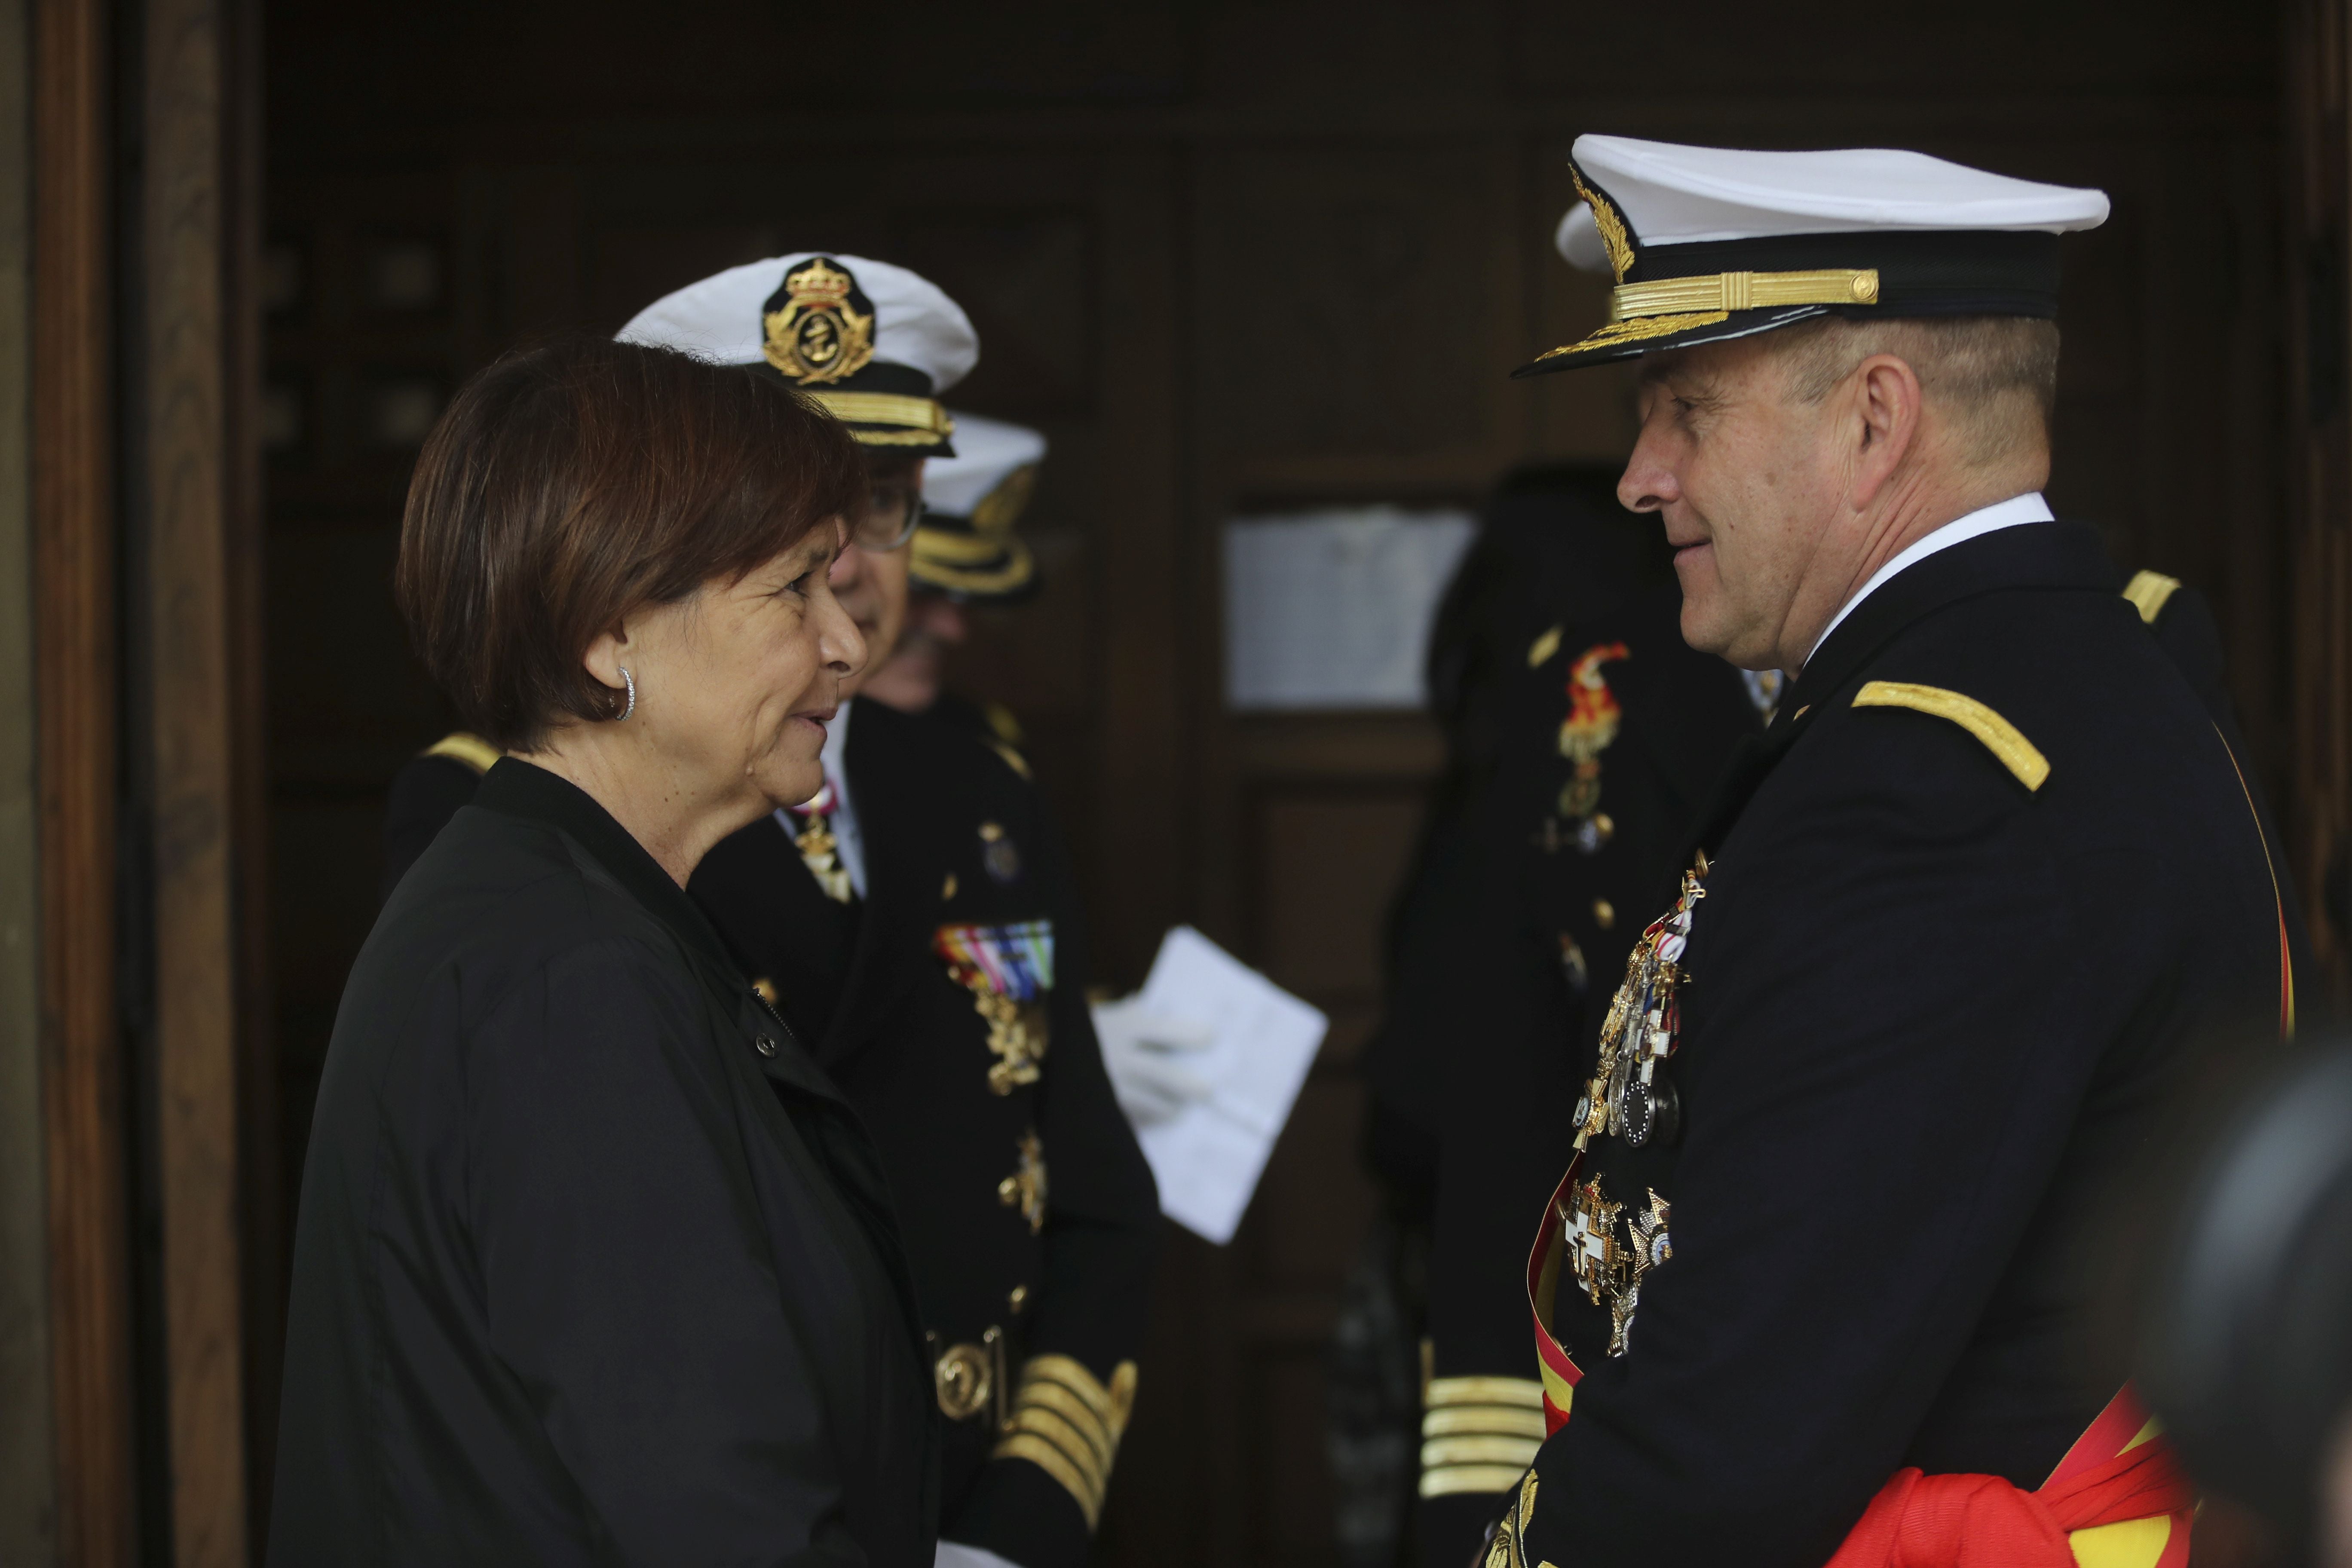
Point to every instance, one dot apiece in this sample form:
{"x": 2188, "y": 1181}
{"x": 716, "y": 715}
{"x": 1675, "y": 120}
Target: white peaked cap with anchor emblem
{"x": 719, "y": 319}
{"x": 875, "y": 344}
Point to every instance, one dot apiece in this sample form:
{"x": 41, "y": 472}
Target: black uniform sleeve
{"x": 1509, "y": 1062}
{"x": 1890, "y": 1077}
{"x": 2185, "y": 629}
{"x": 628, "y": 1294}
{"x": 425, "y": 795}
{"x": 1102, "y": 1239}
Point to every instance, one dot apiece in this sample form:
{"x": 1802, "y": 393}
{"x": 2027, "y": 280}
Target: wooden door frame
{"x": 76, "y": 680}
{"x": 144, "y": 477}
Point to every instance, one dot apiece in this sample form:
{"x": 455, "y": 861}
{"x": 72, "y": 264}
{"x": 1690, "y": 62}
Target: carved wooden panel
{"x": 1817, "y": 48}
{"x": 1027, "y": 280}
{"x": 1355, "y": 315}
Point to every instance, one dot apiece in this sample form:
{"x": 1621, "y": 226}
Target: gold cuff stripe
{"x": 1516, "y": 1452}
{"x": 1068, "y": 1424}
{"x": 1112, "y": 1404}
{"x": 1524, "y": 1393}
{"x": 471, "y": 750}
{"x": 1457, "y": 1478}
{"x": 2148, "y": 591}
{"x": 2001, "y": 737}
{"x": 1055, "y": 1463}
{"x": 1744, "y": 291}
{"x": 1490, "y": 1420}
{"x": 922, "y": 414}
{"x": 1057, "y": 1410}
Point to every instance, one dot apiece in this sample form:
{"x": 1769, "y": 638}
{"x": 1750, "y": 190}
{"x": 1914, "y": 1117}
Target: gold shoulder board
{"x": 471, "y": 750}
{"x": 2148, "y": 591}
{"x": 2001, "y": 737}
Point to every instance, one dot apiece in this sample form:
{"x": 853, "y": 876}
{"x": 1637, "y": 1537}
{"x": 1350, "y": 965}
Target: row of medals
{"x": 1631, "y": 1097}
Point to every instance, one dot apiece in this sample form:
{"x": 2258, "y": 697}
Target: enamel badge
{"x": 819, "y": 326}
{"x": 1009, "y": 970}
{"x": 1594, "y": 719}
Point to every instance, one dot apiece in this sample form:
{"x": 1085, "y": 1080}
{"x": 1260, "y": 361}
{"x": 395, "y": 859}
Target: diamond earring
{"x": 631, "y": 682}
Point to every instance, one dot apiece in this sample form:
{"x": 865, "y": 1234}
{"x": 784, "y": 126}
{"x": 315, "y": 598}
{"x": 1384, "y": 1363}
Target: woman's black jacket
{"x": 594, "y": 1264}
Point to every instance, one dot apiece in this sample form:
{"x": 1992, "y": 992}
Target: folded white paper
{"x": 1208, "y": 1157}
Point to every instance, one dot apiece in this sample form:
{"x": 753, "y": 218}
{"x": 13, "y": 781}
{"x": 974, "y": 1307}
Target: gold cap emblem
{"x": 815, "y": 331}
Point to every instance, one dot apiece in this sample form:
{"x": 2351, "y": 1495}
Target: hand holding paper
{"x": 1227, "y": 1051}
{"x": 1145, "y": 1055}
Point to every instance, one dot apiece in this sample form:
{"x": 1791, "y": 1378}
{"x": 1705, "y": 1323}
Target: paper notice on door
{"x": 1208, "y": 1157}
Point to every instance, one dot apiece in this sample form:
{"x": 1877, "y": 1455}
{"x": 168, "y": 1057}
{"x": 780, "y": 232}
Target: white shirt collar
{"x": 2027, "y": 508}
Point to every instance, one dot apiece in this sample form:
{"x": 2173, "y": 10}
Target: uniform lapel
{"x": 869, "y": 755}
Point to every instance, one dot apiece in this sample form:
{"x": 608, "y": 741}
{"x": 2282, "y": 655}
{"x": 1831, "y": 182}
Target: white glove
{"x": 954, "y": 1554}
{"x": 1143, "y": 1051}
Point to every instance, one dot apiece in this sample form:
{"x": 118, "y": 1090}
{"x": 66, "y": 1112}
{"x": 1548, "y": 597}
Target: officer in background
{"x": 1811, "y": 1289}
{"x": 917, "y": 925}
{"x": 965, "y": 552}
{"x": 1583, "y": 735}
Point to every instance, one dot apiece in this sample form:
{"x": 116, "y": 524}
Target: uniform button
{"x": 765, "y": 1044}
{"x": 1604, "y": 913}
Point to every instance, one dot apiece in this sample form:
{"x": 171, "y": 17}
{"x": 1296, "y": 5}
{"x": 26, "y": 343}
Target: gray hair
{"x": 1995, "y": 377}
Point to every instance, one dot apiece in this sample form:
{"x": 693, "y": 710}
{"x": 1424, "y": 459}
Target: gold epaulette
{"x": 2001, "y": 737}
{"x": 2148, "y": 591}
{"x": 1068, "y": 1424}
{"x": 471, "y": 750}
{"x": 1479, "y": 1434}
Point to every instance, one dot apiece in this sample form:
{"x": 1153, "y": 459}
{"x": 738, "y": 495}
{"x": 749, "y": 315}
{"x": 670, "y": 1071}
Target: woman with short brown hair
{"x": 593, "y": 1263}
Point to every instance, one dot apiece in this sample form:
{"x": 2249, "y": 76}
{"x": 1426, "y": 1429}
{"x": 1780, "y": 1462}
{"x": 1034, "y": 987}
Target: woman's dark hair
{"x": 571, "y": 484}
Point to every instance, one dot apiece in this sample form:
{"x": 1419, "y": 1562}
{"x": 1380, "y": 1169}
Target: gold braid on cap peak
{"x": 1068, "y": 1424}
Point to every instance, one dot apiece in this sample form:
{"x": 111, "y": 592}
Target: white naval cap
{"x": 965, "y": 545}
{"x": 874, "y": 343}
{"x": 1708, "y": 242}
{"x": 988, "y": 453}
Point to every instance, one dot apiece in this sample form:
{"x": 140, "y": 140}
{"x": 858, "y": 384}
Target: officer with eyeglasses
{"x": 916, "y": 925}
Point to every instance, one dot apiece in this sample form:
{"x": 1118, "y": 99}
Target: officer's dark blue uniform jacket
{"x": 955, "y": 836}
{"x": 1929, "y": 1014}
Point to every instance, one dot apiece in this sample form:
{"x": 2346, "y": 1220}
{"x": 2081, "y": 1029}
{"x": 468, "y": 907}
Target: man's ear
{"x": 1885, "y": 392}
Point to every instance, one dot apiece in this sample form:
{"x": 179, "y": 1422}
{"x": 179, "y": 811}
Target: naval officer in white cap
{"x": 916, "y": 923}
{"x": 966, "y": 551}
{"x": 1813, "y": 1289}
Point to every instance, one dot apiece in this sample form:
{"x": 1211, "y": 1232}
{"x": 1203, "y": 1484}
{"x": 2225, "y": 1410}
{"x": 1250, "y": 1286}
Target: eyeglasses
{"x": 891, "y": 515}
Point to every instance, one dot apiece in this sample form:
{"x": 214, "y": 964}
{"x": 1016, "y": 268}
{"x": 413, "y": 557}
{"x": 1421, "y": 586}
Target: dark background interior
{"x": 1229, "y": 256}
